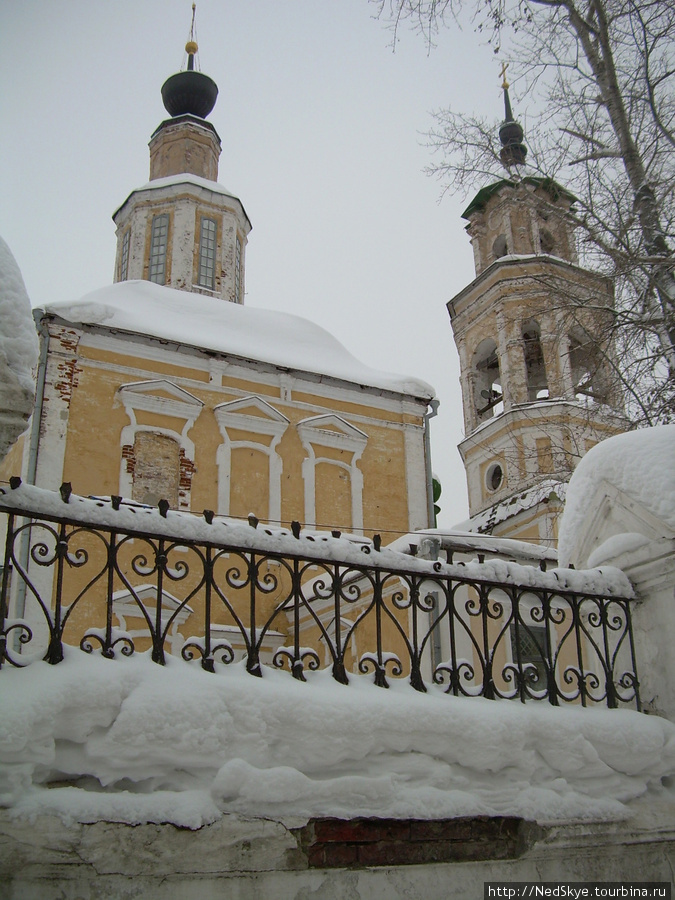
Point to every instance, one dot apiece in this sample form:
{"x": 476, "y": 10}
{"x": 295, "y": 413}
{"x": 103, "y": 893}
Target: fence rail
{"x": 301, "y": 602}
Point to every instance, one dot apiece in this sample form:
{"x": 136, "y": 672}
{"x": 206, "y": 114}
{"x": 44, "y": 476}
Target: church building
{"x": 165, "y": 386}
{"x": 534, "y": 336}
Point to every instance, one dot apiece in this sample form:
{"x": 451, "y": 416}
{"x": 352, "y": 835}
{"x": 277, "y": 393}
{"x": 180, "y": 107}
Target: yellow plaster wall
{"x": 292, "y": 453}
{"x": 249, "y": 483}
{"x": 333, "y": 497}
{"x": 207, "y": 438}
{"x": 385, "y": 498}
{"x": 152, "y": 369}
{"x": 97, "y": 417}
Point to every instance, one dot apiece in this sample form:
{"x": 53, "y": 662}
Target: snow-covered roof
{"x": 641, "y": 464}
{"x": 182, "y": 178}
{"x": 516, "y": 503}
{"x": 468, "y": 542}
{"x": 209, "y": 323}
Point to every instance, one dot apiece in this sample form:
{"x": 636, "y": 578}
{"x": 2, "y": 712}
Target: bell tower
{"x": 182, "y": 229}
{"x": 534, "y": 335}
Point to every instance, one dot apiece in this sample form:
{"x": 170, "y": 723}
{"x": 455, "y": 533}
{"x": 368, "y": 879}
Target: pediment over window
{"x": 161, "y": 396}
{"x": 161, "y": 389}
{"x": 126, "y": 604}
{"x": 609, "y": 513}
{"x": 332, "y": 430}
{"x": 251, "y": 414}
{"x": 251, "y": 406}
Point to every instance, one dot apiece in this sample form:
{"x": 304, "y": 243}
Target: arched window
{"x": 500, "y": 246}
{"x": 537, "y": 384}
{"x": 588, "y": 377}
{"x": 208, "y": 233}
{"x": 159, "y": 236}
{"x": 332, "y": 478}
{"x": 156, "y": 469}
{"x": 157, "y": 460}
{"x": 546, "y": 241}
{"x": 124, "y": 256}
{"x": 249, "y": 465}
{"x": 488, "y": 393}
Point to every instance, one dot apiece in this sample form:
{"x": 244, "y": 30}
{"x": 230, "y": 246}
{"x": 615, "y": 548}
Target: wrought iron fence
{"x": 92, "y": 577}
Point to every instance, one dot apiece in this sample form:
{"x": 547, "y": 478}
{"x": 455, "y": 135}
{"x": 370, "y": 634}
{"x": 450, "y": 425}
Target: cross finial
{"x": 505, "y": 84}
{"x": 191, "y": 47}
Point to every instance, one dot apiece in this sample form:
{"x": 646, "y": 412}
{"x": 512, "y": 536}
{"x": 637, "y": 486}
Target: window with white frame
{"x": 528, "y": 649}
{"x": 158, "y": 244}
{"x": 156, "y": 469}
{"x": 248, "y": 461}
{"x": 207, "y": 253}
{"x": 237, "y": 272}
{"x": 330, "y": 472}
{"x": 124, "y": 258}
{"x": 157, "y": 460}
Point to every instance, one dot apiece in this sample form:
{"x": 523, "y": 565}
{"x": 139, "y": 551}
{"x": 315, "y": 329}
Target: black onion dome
{"x": 511, "y": 135}
{"x": 189, "y": 93}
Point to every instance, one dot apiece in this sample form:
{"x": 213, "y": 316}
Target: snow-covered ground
{"x": 131, "y": 741}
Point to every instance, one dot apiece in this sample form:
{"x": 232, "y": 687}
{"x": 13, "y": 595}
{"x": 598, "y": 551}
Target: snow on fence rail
{"x": 115, "y": 577}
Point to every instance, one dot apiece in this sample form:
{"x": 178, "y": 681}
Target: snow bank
{"x": 18, "y": 339}
{"x": 131, "y": 741}
{"x": 641, "y": 464}
{"x": 214, "y": 324}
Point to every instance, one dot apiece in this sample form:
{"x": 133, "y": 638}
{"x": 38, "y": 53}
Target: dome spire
{"x": 190, "y": 92}
{"x": 513, "y": 150}
{"x": 191, "y": 47}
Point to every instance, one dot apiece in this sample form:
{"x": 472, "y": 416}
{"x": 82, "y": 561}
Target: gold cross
{"x": 505, "y": 83}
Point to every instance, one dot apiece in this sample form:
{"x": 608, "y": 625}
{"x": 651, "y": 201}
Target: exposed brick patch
{"x": 68, "y": 372}
{"x": 353, "y": 843}
{"x": 68, "y": 369}
{"x": 187, "y": 470}
{"x": 68, "y": 339}
{"x": 186, "y": 473}
{"x": 130, "y": 457}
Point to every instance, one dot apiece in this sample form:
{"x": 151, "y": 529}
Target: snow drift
{"x": 131, "y": 741}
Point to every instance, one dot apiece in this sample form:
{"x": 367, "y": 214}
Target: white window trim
{"x": 153, "y": 259}
{"x": 203, "y": 248}
{"x": 143, "y": 396}
{"x": 332, "y": 431}
{"x": 125, "y": 607}
{"x": 272, "y": 424}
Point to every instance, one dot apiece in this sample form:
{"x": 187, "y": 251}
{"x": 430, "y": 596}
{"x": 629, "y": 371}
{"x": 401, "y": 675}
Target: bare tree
{"x": 595, "y": 80}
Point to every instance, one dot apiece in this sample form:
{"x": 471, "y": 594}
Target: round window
{"x": 494, "y": 477}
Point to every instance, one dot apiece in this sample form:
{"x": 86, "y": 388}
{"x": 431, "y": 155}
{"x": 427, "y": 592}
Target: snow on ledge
{"x": 605, "y": 581}
{"x": 136, "y": 742}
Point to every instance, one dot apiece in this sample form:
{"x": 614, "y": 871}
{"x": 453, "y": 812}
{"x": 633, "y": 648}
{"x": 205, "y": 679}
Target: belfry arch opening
{"x": 488, "y": 392}
{"x": 535, "y": 368}
{"x": 586, "y": 365}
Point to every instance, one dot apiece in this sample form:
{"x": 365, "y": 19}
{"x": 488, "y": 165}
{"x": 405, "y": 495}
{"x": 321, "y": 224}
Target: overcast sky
{"x": 323, "y": 140}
